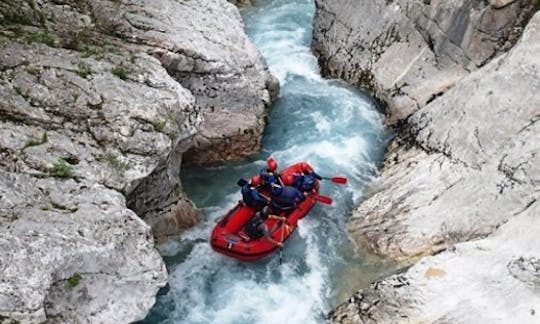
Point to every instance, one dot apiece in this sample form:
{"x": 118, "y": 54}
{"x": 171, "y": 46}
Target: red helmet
{"x": 305, "y": 167}
{"x": 271, "y": 164}
{"x": 256, "y": 180}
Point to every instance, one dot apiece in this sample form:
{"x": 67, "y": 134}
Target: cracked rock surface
{"x": 458, "y": 193}
{"x": 410, "y": 52}
{"x": 100, "y": 103}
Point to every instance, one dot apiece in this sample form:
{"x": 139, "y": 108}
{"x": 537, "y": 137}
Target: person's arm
{"x": 266, "y": 234}
{"x": 313, "y": 173}
{"x": 300, "y": 196}
{"x": 281, "y": 218}
{"x": 257, "y": 196}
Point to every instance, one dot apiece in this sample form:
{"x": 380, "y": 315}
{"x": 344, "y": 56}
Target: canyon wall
{"x": 460, "y": 180}
{"x": 100, "y": 103}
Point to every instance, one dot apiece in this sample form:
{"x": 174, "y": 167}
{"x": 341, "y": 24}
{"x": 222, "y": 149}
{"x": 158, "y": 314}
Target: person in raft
{"x": 303, "y": 180}
{"x": 269, "y": 174}
{"x": 285, "y": 198}
{"x": 251, "y": 195}
{"x": 256, "y": 228}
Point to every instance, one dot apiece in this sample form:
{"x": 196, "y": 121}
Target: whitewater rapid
{"x": 340, "y": 132}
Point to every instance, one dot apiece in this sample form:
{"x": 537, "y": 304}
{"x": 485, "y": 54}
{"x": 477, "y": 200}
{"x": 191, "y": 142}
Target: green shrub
{"x": 61, "y": 169}
{"x": 120, "y": 71}
{"x": 160, "y": 125}
{"x": 115, "y": 162}
{"x": 44, "y": 37}
{"x": 74, "y": 280}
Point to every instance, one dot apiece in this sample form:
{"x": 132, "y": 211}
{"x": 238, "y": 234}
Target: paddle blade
{"x": 341, "y": 180}
{"x": 324, "y": 199}
{"x": 241, "y": 182}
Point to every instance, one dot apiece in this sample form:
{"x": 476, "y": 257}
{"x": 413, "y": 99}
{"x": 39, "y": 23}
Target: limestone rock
{"x": 465, "y": 171}
{"x": 72, "y": 252}
{"x": 493, "y": 280}
{"x": 204, "y": 47}
{"x": 410, "y": 52}
{"x": 99, "y": 99}
{"x": 471, "y": 161}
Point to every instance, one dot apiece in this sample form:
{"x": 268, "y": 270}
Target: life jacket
{"x": 251, "y": 196}
{"x": 252, "y": 227}
{"x": 308, "y": 183}
{"x": 268, "y": 177}
{"x": 305, "y": 182}
{"x": 287, "y": 198}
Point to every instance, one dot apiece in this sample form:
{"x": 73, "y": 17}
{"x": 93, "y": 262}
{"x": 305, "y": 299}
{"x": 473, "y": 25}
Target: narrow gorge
{"x": 125, "y": 125}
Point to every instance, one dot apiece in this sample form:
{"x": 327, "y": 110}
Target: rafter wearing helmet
{"x": 251, "y": 195}
{"x": 269, "y": 174}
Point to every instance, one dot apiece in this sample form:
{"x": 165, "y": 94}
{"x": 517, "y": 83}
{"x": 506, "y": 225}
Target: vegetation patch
{"x": 44, "y": 37}
{"x": 115, "y": 163}
{"x": 61, "y": 169}
{"x": 160, "y": 125}
{"x": 74, "y": 280}
{"x": 120, "y": 71}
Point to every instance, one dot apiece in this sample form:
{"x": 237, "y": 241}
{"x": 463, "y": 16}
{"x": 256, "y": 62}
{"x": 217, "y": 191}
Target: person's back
{"x": 286, "y": 197}
{"x": 305, "y": 181}
{"x": 269, "y": 174}
{"x": 250, "y": 195}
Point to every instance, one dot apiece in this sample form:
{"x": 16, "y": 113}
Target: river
{"x": 340, "y": 132}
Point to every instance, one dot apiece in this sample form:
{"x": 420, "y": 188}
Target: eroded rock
{"x": 101, "y": 100}
{"x": 410, "y": 52}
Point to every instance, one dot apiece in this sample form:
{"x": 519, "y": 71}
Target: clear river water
{"x": 336, "y": 129}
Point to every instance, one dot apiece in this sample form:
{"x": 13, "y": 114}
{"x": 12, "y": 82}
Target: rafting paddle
{"x": 340, "y": 180}
{"x": 283, "y": 224}
{"x": 324, "y": 199}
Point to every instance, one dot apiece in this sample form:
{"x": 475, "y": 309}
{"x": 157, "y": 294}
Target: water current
{"x": 340, "y": 132}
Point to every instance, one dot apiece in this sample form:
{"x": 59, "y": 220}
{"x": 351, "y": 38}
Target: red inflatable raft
{"x": 229, "y": 239}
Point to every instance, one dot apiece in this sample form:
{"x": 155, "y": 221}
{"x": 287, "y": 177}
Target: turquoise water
{"x": 340, "y": 132}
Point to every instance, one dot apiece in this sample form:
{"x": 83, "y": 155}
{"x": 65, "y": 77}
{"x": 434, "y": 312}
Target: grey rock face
{"x": 72, "y": 252}
{"x": 465, "y": 170}
{"x": 493, "y": 280}
{"x": 472, "y": 165}
{"x": 90, "y": 113}
{"x": 203, "y": 46}
{"x": 410, "y": 52}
